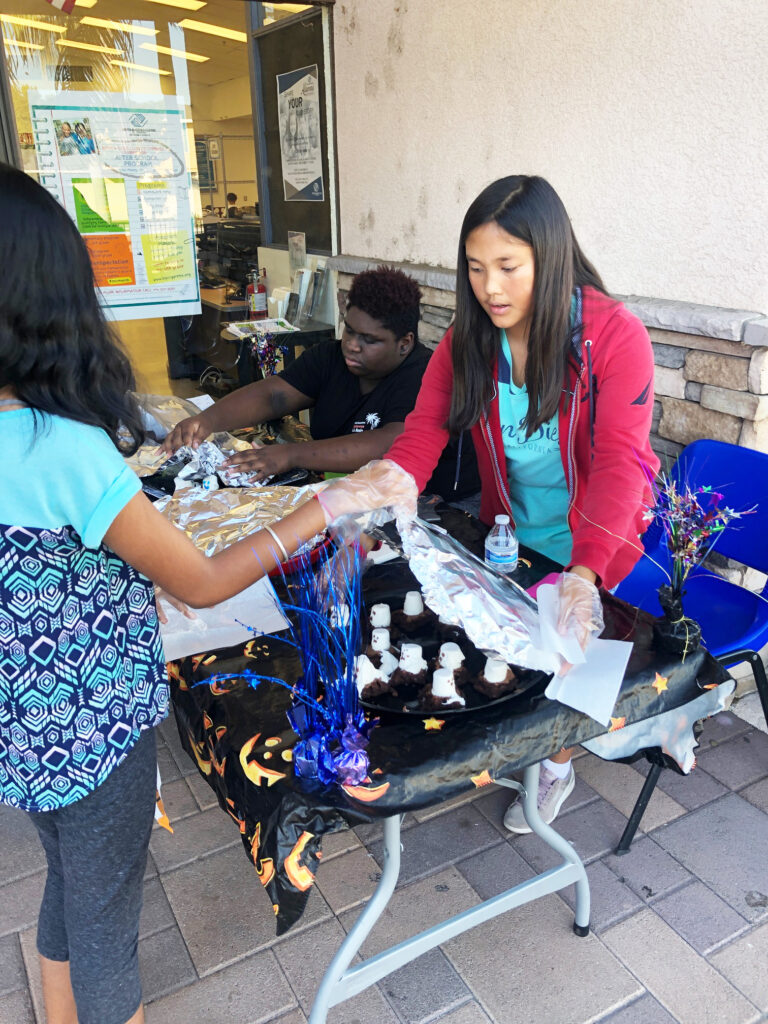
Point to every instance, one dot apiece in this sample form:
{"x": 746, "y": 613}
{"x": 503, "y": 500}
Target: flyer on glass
{"x": 298, "y": 105}
{"x": 119, "y": 167}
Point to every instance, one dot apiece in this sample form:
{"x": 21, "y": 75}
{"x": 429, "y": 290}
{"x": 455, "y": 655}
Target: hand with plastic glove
{"x": 339, "y": 567}
{"x": 174, "y": 602}
{"x": 580, "y": 607}
{"x": 378, "y": 484}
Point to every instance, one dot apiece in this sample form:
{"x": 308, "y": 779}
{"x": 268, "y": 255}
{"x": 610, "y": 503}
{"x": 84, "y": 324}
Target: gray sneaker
{"x": 552, "y": 794}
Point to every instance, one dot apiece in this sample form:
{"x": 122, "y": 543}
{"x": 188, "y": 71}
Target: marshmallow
{"x": 495, "y": 671}
{"x": 339, "y": 616}
{"x": 450, "y": 656}
{"x": 443, "y": 686}
{"x": 411, "y": 660}
{"x": 388, "y": 664}
{"x": 365, "y": 672}
{"x": 380, "y": 639}
{"x": 413, "y": 603}
{"x": 380, "y": 616}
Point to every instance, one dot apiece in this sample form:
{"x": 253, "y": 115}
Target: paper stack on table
{"x": 593, "y": 682}
{"x": 220, "y": 626}
{"x": 252, "y": 328}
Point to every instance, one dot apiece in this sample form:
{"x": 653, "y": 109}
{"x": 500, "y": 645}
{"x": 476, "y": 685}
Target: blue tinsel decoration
{"x": 325, "y": 630}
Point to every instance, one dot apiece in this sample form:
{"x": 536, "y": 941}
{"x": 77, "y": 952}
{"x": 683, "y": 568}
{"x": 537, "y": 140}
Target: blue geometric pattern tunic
{"x": 81, "y": 661}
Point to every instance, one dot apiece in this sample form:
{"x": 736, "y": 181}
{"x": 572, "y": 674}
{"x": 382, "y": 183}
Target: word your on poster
{"x": 298, "y": 107}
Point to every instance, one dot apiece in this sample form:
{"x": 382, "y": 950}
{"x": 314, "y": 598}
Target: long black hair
{"x": 529, "y": 209}
{"x": 57, "y": 352}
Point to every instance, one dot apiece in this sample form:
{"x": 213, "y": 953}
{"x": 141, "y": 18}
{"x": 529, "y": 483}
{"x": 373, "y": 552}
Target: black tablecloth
{"x": 241, "y": 740}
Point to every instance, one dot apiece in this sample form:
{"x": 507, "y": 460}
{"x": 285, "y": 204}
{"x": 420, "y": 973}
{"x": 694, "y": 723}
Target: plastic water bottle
{"x": 501, "y": 546}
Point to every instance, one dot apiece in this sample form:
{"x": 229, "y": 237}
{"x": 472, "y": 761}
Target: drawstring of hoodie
{"x": 458, "y": 462}
{"x": 591, "y": 393}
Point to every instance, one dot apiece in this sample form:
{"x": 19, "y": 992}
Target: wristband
{"x": 280, "y": 545}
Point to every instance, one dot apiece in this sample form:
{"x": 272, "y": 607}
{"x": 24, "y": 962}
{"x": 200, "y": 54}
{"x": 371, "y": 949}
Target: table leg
{"x": 334, "y": 987}
{"x": 638, "y": 810}
{"x": 530, "y": 790}
{"x": 340, "y": 982}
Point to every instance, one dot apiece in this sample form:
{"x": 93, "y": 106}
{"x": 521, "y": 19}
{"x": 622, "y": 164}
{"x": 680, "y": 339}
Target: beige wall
{"x": 224, "y": 109}
{"x": 239, "y": 155}
{"x": 649, "y": 119}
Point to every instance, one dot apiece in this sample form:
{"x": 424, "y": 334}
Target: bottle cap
{"x": 502, "y": 520}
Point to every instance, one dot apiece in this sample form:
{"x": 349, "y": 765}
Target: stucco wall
{"x": 649, "y": 119}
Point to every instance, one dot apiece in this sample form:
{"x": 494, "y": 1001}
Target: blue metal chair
{"x": 733, "y": 620}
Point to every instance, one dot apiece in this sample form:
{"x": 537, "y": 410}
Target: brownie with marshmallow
{"x": 415, "y": 617}
{"x": 451, "y": 657}
{"x": 411, "y": 668}
{"x": 442, "y": 694}
{"x": 496, "y": 679}
{"x": 381, "y": 652}
{"x": 372, "y": 680}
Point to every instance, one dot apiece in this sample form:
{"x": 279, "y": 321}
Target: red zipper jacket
{"x": 604, "y": 427}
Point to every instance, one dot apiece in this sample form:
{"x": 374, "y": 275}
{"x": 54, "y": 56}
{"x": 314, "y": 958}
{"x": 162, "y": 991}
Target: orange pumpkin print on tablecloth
{"x": 250, "y": 762}
{"x": 298, "y": 873}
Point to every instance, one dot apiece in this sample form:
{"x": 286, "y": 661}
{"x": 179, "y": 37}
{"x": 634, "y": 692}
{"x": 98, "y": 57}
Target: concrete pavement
{"x": 680, "y": 924}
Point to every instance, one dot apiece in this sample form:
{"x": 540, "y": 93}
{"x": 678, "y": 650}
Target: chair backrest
{"x": 741, "y": 476}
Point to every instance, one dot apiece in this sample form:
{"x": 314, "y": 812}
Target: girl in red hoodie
{"x": 554, "y": 379}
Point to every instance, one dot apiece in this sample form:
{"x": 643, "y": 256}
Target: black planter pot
{"x": 674, "y": 630}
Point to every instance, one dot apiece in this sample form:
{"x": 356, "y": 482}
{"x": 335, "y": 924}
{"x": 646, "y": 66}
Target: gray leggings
{"x": 97, "y": 853}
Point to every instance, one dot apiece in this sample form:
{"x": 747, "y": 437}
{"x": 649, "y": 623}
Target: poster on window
{"x": 119, "y": 167}
{"x": 298, "y": 106}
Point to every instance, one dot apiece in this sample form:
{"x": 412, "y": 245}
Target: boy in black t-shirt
{"x": 360, "y": 390}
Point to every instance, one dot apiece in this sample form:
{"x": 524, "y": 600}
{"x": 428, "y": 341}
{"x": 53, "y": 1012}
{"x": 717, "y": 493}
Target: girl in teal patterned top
{"x": 82, "y": 680}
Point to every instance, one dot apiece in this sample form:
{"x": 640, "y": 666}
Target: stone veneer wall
{"x": 711, "y": 377}
{"x": 711, "y": 364}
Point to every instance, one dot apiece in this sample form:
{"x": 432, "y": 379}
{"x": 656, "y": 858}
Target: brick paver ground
{"x": 680, "y": 925}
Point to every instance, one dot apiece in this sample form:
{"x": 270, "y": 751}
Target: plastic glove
{"x": 580, "y": 608}
{"x": 378, "y": 484}
{"x": 336, "y": 570}
{"x": 174, "y": 602}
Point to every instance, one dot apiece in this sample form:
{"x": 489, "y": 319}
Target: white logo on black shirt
{"x": 371, "y": 422}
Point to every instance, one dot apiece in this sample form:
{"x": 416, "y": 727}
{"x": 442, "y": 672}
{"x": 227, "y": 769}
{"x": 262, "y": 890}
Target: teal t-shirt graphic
{"x": 538, "y": 492}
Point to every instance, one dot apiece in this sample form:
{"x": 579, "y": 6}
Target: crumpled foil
{"x": 161, "y": 413}
{"x": 215, "y": 519}
{"x": 197, "y": 463}
{"x": 496, "y": 614}
{"x": 209, "y": 458}
{"x": 672, "y": 730}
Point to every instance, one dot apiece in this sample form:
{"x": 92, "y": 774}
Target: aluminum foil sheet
{"x": 208, "y": 460}
{"x": 215, "y": 519}
{"x": 161, "y": 413}
{"x": 496, "y": 614}
{"x": 148, "y": 459}
{"x": 672, "y": 730}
